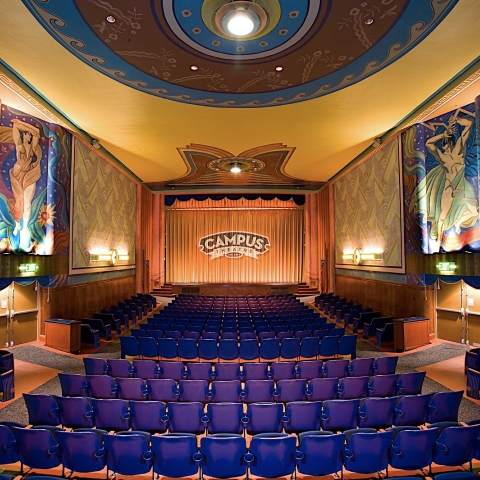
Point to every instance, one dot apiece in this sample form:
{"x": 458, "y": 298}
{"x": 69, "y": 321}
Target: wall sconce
{"x": 357, "y": 257}
{"x": 110, "y": 257}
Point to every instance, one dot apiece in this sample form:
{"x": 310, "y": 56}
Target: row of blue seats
{"x": 158, "y": 319}
{"x": 230, "y": 417}
{"x": 226, "y": 455}
{"x": 282, "y": 390}
{"x": 226, "y": 334}
{"x": 307, "y": 369}
{"x": 231, "y": 349}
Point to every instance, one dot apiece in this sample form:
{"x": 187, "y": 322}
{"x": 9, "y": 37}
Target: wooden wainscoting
{"x": 390, "y": 299}
{"x": 81, "y": 301}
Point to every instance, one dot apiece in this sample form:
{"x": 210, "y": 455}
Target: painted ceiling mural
{"x": 210, "y": 167}
{"x": 173, "y": 48}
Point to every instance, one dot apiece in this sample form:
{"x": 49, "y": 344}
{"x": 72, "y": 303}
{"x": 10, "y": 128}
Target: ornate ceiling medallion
{"x": 246, "y": 165}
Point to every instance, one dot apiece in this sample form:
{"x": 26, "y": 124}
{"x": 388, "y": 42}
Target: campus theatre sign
{"x": 234, "y": 245}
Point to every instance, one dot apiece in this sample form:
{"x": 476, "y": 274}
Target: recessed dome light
{"x": 193, "y": 67}
{"x": 279, "y": 68}
{"x": 111, "y": 19}
{"x": 240, "y": 22}
{"x": 369, "y": 21}
{"x": 241, "y": 19}
{"x": 235, "y": 168}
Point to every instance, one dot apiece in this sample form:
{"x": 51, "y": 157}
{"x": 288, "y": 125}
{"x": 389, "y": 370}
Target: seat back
{"x": 444, "y": 407}
{"x": 273, "y": 455}
{"x": 290, "y": 390}
{"x": 264, "y": 417}
{"x": 8, "y": 446}
{"x": 111, "y": 414}
{"x": 258, "y": 391}
{"x": 75, "y": 412}
{"x": 368, "y": 452}
{"x": 302, "y": 416}
{"x": 127, "y": 454}
{"x": 340, "y": 414}
{"x": 322, "y": 454}
{"x": 412, "y": 449}
{"x": 37, "y": 447}
{"x": 223, "y": 455}
{"x": 81, "y": 451}
{"x": 73, "y": 385}
{"x": 377, "y": 412}
{"x": 148, "y": 416}
{"x": 456, "y": 445}
{"x": 175, "y": 455}
{"x": 225, "y": 417}
{"x": 42, "y": 409}
{"x": 186, "y": 417}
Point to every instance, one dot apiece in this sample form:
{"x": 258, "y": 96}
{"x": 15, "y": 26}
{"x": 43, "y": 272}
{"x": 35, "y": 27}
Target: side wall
{"x": 391, "y": 299}
{"x": 82, "y": 300}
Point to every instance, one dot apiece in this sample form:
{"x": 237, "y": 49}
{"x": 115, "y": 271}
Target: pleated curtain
{"x": 186, "y": 223}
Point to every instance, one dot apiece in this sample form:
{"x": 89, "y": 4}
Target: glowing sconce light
{"x": 112, "y": 257}
{"x": 446, "y": 268}
{"x": 357, "y": 257}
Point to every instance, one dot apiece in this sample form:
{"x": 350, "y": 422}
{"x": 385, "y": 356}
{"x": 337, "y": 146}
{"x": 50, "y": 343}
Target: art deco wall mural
{"x": 441, "y": 158}
{"x": 35, "y": 162}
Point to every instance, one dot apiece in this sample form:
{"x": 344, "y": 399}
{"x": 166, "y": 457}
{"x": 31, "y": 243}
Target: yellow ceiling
{"x": 144, "y": 132}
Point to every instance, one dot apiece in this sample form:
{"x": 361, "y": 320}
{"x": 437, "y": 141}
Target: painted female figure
{"x": 445, "y": 196}
{"x": 23, "y": 177}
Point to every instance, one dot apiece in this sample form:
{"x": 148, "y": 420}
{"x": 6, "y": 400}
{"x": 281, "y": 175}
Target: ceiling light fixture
{"x": 235, "y": 168}
{"x": 193, "y": 67}
{"x": 111, "y": 19}
{"x": 241, "y": 19}
{"x": 368, "y": 21}
{"x": 279, "y": 68}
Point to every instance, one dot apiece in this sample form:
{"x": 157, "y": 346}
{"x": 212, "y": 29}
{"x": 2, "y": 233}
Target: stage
{"x": 234, "y": 289}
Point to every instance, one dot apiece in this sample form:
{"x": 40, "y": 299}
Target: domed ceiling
{"x": 174, "y": 49}
{"x": 178, "y": 101}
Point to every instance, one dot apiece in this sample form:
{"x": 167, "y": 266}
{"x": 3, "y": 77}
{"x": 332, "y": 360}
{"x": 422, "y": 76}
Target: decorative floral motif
{"x": 196, "y": 30}
{"x": 186, "y": 13}
{"x": 263, "y": 44}
{"x": 216, "y": 43}
{"x": 283, "y": 31}
{"x": 46, "y": 216}
{"x": 293, "y": 14}
{"x": 240, "y": 49}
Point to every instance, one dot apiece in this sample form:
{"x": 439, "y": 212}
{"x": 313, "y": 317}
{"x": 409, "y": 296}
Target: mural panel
{"x": 441, "y": 159}
{"x": 104, "y": 209}
{"x": 35, "y": 161}
{"x": 368, "y": 229}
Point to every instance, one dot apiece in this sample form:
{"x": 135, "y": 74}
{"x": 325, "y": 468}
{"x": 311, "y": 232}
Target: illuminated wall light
{"x": 358, "y": 256}
{"x": 112, "y": 257}
{"x": 27, "y": 268}
{"x": 446, "y": 268}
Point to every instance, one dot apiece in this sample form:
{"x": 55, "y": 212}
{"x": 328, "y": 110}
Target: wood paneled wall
{"x": 81, "y": 301}
{"x": 150, "y": 239}
{"x": 319, "y": 240}
{"x": 390, "y": 299}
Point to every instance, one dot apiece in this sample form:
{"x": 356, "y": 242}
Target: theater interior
{"x": 262, "y": 170}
